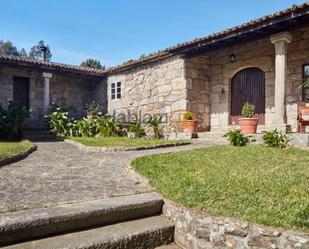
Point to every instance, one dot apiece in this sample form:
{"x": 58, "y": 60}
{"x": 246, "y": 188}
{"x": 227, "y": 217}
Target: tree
{"x": 36, "y": 53}
{"x": 7, "y": 48}
{"x": 92, "y": 63}
{"x": 22, "y": 53}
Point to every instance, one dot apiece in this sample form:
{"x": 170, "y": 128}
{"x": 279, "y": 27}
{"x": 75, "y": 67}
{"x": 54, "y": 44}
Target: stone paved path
{"x": 59, "y": 172}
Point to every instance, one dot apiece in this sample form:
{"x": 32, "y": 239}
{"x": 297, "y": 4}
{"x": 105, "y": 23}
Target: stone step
{"x": 40, "y": 135}
{"x": 170, "y": 246}
{"x": 34, "y": 223}
{"x": 146, "y": 233}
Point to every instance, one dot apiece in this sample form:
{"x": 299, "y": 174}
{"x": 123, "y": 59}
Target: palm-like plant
{"x": 155, "y": 122}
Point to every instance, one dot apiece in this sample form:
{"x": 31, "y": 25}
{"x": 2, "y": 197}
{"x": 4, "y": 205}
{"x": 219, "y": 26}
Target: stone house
{"x": 39, "y": 84}
{"x": 261, "y": 61}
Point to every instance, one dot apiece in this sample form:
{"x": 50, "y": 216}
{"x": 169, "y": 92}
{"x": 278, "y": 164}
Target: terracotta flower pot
{"x": 189, "y": 126}
{"x": 248, "y": 125}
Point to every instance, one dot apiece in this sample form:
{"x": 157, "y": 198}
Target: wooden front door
{"x": 248, "y": 85}
{"x": 21, "y": 91}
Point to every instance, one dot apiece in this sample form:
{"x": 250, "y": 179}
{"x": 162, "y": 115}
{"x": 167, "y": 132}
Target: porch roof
{"x": 48, "y": 66}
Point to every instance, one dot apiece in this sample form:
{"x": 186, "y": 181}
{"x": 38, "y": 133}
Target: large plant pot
{"x": 189, "y": 126}
{"x": 248, "y": 125}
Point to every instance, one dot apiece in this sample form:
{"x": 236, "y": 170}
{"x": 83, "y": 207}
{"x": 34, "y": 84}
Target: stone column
{"x": 280, "y": 40}
{"x": 46, "y": 78}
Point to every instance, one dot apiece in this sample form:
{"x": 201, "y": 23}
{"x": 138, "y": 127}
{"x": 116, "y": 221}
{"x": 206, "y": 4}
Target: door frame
{"x": 28, "y": 89}
{"x": 230, "y": 92}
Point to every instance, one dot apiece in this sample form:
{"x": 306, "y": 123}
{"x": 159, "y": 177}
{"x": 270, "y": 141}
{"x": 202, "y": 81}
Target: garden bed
{"x": 14, "y": 151}
{"x": 259, "y": 184}
{"x": 121, "y": 143}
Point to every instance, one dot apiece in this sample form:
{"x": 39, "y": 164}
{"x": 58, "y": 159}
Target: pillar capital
{"x": 47, "y": 75}
{"x": 281, "y": 37}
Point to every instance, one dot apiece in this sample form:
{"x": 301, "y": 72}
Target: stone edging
{"x": 17, "y": 157}
{"x": 115, "y": 149}
{"x": 194, "y": 230}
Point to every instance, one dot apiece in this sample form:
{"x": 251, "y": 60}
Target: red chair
{"x": 303, "y": 117}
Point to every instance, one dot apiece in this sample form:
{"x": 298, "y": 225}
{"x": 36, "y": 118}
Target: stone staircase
{"x": 40, "y": 134}
{"x": 215, "y": 138}
{"x": 128, "y": 222}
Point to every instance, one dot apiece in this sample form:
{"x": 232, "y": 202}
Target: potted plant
{"x": 189, "y": 123}
{"x": 247, "y": 123}
{"x": 92, "y": 109}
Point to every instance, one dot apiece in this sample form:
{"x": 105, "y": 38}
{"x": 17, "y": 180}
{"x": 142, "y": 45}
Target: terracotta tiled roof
{"x": 48, "y": 65}
{"x": 293, "y": 12}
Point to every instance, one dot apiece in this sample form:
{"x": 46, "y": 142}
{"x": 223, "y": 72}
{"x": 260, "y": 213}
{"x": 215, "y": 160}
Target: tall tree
{"x": 7, "y": 48}
{"x": 22, "y": 53}
{"x": 36, "y": 53}
{"x": 92, "y": 63}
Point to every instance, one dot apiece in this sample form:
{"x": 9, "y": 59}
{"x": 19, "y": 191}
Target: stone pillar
{"x": 46, "y": 78}
{"x": 280, "y": 40}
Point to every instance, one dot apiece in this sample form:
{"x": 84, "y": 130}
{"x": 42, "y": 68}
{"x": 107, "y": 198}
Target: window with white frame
{"x": 116, "y": 90}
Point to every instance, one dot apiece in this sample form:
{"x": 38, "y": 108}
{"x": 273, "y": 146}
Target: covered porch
{"x": 266, "y": 71}
{"x": 40, "y": 86}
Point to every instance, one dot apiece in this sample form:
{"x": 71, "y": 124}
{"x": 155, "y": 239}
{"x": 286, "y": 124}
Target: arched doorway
{"x": 248, "y": 85}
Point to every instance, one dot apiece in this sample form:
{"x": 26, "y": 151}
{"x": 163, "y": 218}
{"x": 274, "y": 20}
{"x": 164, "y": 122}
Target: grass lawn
{"x": 9, "y": 149}
{"x": 259, "y": 184}
{"x": 121, "y": 142}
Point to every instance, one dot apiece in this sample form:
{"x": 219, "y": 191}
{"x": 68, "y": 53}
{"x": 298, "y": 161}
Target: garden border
{"x": 195, "y": 229}
{"x": 119, "y": 149}
{"x": 18, "y": 157}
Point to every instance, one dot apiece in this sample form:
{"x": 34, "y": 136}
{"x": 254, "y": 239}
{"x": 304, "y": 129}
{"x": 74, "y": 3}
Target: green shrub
{"x": 110, "y": 127}
{"x": 155, "y": 122}
{"x": 93, "y": 108}
{"x": 136, "y": 128}
{"x": 188, "y": 116}
{"x": 275, "y": 139}
{"x": 236, "y": 137}
{"x": 58, "y": 122}
{"x": 11, "y": 120}
{"x": 100, "y": 126}
{"x": 248, "y": 110}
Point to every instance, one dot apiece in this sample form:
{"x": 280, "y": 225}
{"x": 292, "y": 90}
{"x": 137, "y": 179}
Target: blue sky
{"x": 115, "y": 31}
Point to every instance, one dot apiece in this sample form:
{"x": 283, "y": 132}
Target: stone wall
{"x": 197, "y": 77}
{"x": 156, "y": 88}
{"x": 74, "y": 93}
{"x": 70, "y": 91}
{"x": 200, "y": 231}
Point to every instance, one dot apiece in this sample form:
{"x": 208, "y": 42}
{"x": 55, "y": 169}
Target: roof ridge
{"x": 52, "y": 64}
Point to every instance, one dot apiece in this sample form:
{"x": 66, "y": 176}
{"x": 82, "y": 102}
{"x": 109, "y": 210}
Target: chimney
{"x": 43, "y": 51}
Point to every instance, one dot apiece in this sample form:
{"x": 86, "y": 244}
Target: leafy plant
{"x": 58, "y": 121}
{"x": 110, "y": 127}
{"x": 236, "y": 137}
{"x": 11, "y": 120}
{"x": 93, "y": 108}
{"x": 136, "y": 128}
{"x": 248, "y": 110}
{"x": 155, "y": 122}
{"x": 188, "y": 116}
{"x": 304, "y": 83}
{"x": 275, "y": 139}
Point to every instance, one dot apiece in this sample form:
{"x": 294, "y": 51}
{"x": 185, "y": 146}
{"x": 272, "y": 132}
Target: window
{"x": 116, "y": 90}
{"x": 306, "y": 77}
